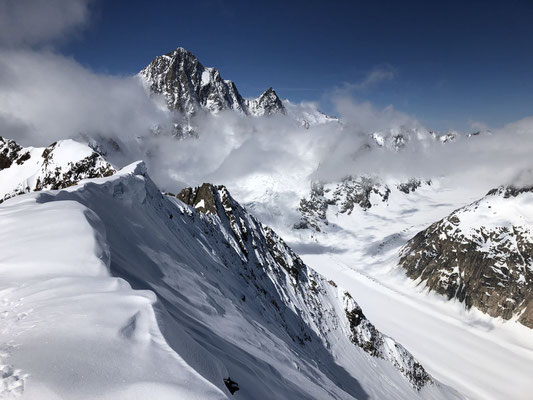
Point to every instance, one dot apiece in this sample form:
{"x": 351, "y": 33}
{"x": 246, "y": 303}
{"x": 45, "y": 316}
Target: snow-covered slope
{"x": 233, "y": 305}
{"x": 481, "y": 254}
{"x": 62, "y": 164}
{"x": 308, "y": 114}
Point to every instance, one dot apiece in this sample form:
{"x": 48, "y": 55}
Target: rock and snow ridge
{"x": 232, "y": 303}
{"x": 481, "y": 254}
{"x": 253, "y": 241}
{"x": 62, "y": 164}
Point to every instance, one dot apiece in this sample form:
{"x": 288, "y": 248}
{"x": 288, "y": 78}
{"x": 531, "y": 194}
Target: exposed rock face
{"x": 201, "y": 198}
{"x": 411, "y": 185}
{"x": 346, "y": 195}
{"x": 262, "y": 252}
{"x": 10, "y": 152}
{"x": 188, "y": 87}
{"x": 314, "y": 208}
{"x": 481, "y": 254}
{"x": 366, "y": 336}
{"x": 266, "y": 104}
{"x": 60, "y": 165}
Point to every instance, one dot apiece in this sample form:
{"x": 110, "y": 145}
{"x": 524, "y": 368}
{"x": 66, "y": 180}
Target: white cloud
{"x": 30, "y": 22}
{"x": 46, "y": 97}
{"x": 378, "y": 74}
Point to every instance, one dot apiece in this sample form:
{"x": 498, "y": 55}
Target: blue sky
{"x": 447, "y": 63}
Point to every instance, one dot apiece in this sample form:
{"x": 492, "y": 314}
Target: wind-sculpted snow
{"x": 481, "y": 254}
{"x": 234, "y": 307}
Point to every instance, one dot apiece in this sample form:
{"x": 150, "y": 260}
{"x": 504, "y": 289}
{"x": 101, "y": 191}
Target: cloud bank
{"x": 31, "y": 22}
{"x": 45, "y": 97}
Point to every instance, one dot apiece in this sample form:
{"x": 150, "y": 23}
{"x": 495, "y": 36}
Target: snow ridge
{"x": 235, "y": 307}
{"x": 57, "y": 166}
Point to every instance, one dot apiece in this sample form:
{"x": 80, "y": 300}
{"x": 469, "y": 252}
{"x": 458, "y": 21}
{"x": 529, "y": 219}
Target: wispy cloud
{"x": 377, "y": 75}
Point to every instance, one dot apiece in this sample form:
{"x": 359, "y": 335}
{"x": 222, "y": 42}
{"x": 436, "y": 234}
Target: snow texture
{"x": 113, "y": 290}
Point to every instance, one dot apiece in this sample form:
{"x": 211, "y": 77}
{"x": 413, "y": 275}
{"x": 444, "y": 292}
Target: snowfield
{"x": 482, "y": 357}
{"x": 111, "y": 290}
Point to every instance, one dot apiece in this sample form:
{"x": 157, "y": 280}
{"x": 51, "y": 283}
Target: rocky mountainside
{"x": 189, "y": 87}
{"x": 60, "y": 165}
{"x": 481, "y": 254}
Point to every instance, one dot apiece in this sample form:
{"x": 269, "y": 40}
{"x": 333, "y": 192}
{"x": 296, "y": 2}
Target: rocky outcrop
{"x": 11, "y": 152}
{"x": 365, "y": 335}
{"x": 481, "y": 254}
{"x": 411, "y": 185}
{"x": 201, "y": 198}
{"x": 60, "y": 165}
{"x": 345, "y": 196}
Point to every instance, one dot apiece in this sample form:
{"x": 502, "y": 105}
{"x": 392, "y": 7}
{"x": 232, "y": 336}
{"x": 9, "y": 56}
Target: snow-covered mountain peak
{"x": 182, "y": 51}
{"x": 267, "y": 103}
{"x": 189, "y": 87}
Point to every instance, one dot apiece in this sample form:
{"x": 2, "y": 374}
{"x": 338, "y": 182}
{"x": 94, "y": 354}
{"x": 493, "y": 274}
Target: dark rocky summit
{"x": 189, "y": 87}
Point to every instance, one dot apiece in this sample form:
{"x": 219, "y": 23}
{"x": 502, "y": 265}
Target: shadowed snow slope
{"x": 197, "y": 297}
